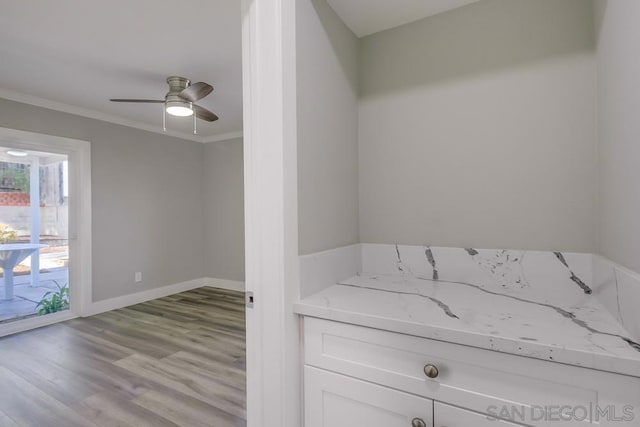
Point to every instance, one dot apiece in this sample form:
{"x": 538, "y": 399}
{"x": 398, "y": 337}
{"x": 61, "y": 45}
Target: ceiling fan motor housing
{"x": 176, "y": 85}
{"x": 175, "y": 104}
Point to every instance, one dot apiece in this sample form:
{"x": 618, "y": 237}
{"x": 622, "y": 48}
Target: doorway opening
{"x": 45, "y": 216}
{"x": 34, "y": 233}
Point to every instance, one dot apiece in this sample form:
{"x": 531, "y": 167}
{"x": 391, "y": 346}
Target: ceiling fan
{"x": 180, "y": 99}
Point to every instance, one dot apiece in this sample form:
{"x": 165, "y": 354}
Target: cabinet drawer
{"x": 450, "y": 416}
{"x": 333, "y": 400}
{"x": 469, "y": 377}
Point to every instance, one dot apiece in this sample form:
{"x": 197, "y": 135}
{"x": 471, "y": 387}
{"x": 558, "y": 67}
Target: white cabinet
{"x": 334, "y": 400}
{"x": 355, "y": 373}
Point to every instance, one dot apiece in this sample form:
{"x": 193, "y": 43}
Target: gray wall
{"x": 327, "y": 74}
{"x": 477, "y": 128}
{"x": 148, "y": 210}
{"x": 224, "y": 210}
{"x": 619, "y": 130}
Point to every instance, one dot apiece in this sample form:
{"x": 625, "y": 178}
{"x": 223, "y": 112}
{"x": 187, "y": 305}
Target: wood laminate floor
{"x": 174, "y": 361}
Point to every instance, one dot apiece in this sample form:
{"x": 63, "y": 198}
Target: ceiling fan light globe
{"x": 179, "y": 109}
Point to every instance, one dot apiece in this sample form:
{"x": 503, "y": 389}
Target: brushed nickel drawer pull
{"x": 431, "y": 371}
{"x": 418, "y": 422}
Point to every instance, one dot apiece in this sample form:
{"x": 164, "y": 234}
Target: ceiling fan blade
{"x": 196, "y": 91}
{"x": 204, "y": 114}
{"x": 147, "y": 101}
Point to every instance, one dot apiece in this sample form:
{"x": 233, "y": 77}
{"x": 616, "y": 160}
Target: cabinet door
{"x": 334, "y": 400}
{"x": 450, "y": 416}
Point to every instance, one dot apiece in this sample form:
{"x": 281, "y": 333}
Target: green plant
{"x": 7, "y": 235}
{"x": 16, "y": 179}
{"x": 54, "y": 301}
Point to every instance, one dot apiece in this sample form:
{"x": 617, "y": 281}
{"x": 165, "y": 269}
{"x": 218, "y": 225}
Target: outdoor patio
{"x": 34, "y": 229}
{"x": 53, "y": 269}
{"x": 27, "y": 297}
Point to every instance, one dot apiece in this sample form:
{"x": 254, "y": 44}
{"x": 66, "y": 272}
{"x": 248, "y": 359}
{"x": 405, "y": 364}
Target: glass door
{"x": 34, "y": 234}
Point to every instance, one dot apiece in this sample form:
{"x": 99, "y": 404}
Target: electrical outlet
{"x": 138, "y": 276}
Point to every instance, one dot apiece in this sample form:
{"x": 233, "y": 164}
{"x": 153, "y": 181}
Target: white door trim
{"x": 271, "y": 213}
{"x": 79, "y": 155}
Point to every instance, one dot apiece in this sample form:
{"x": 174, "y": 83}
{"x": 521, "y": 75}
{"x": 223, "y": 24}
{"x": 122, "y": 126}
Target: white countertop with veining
{"x": 496, "y": 300}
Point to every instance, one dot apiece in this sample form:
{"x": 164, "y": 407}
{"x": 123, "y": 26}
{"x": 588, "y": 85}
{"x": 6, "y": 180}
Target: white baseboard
{"x": 120, "y": 302}
{"x": 232, "y": 285}
{"x": 138, "y": 297}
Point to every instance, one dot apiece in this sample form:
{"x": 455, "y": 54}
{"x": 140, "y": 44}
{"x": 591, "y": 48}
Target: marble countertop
{"x": 569, "y": 327}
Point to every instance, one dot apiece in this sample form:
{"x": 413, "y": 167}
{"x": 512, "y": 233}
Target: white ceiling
{"x": 366, "y": 17}
{"x": 76, "y": 54}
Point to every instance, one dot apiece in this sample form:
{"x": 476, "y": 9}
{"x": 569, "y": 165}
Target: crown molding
{"x": 98, "y": 115}
{"x": 223, "y": 137}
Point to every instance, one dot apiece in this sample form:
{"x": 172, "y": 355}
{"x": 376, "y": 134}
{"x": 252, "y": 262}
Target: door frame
{"x": 79, "y": 158}
{"x": 274, "y": 372}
